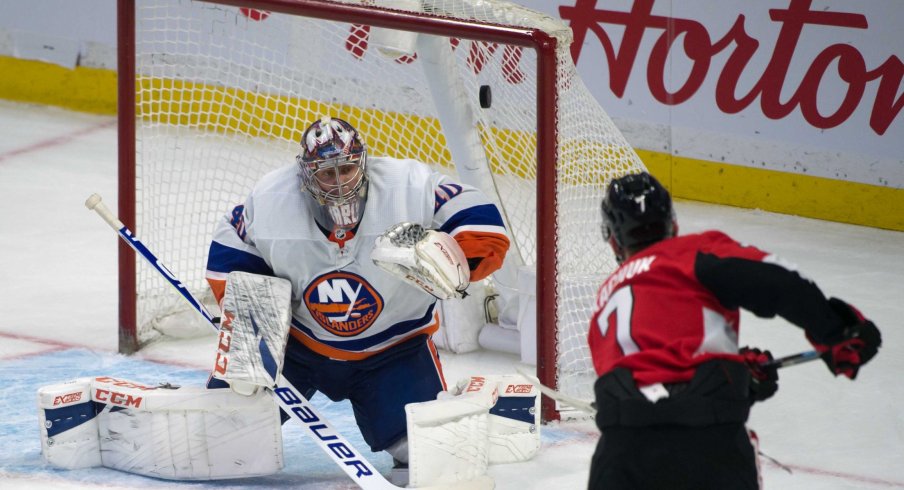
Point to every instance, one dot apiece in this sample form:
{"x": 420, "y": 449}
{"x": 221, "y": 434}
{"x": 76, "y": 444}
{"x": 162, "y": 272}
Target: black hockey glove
{"x": 763, "y": 380}
{"x": 858, "y": 343}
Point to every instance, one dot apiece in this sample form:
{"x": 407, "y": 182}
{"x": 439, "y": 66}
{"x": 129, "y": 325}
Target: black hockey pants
{"x": 693, "y": 440}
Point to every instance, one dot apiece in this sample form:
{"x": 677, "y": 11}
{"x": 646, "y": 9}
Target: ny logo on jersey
{"x": 343, "y": 303}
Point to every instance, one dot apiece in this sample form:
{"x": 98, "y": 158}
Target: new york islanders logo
{"x": 343, "y": 303}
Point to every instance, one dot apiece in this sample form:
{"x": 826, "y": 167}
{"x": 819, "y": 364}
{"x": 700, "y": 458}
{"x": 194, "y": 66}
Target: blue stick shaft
{"x": 139, "y": 247}
{"x": 95, "y": 203}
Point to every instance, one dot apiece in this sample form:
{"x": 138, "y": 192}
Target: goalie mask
{"x": 332, "y": 161}
{"x": 637, "y": 212}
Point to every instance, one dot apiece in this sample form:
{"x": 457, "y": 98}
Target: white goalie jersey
{"x": 343, "y": 305}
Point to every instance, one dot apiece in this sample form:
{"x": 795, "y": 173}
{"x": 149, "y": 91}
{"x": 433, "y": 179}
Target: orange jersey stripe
{"x": 344, "y": 355}
{"x": 218, "y": 286}
{"x": 491, "y": 246}
{"x": 439, "y": 365}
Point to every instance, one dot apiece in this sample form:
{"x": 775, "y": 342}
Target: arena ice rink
{"x": 58, "y": 305}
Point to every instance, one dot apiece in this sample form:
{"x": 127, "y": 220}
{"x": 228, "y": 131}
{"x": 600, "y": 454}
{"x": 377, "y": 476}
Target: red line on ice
{"x": 56, "y": 141}
{"x": 56, "y": 345}
{"x": 39, "y": 340}
{"x": 39, "y": 352}
{"x": 53, "y": 346}
{"x": 844, "y": 476}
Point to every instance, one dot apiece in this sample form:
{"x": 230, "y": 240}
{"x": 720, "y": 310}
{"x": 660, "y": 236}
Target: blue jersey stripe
{"x": 227, "y": 259}
{"x": 361, "y": 345}
{"x": 485, "y": 214}
{"x": 444, "y": 193}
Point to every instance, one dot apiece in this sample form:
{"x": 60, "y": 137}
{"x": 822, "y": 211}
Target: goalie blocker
{"x": 257, "y": 311}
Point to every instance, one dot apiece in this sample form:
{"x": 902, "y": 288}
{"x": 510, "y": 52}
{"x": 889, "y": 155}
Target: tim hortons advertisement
{"x": 803, "y": 86}
{"x": 781, "y": 80}
{"x": 839, "y": 65}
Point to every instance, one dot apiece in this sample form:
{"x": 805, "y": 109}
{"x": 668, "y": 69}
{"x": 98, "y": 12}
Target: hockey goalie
{"x": 182, "y": 433}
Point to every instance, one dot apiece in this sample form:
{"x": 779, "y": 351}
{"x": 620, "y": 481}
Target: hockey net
{"x": 223, "y": 93}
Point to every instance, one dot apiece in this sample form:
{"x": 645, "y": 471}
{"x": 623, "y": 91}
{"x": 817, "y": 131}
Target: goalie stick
{"x": 574, "y": 402}
{"x": 94, "y": 203}
{"x": 590, "y": 407}
{"x": 299, "y": 408}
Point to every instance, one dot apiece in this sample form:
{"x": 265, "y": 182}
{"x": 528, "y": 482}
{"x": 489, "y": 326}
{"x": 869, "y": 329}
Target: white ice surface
{"x": 58, "y": 306}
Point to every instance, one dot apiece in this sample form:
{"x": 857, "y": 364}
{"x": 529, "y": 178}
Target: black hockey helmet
{"x": 637, "y": 211}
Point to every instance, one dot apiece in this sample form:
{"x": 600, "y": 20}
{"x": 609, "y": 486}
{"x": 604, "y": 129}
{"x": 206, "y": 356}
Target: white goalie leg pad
{"x": 513, "y": 415}
{"x": 186, "y": 433}
{"x": 429, "y": 259}
{"x": 447, "y": 441}
{"x": 254, "y": 331}
{"x": 69, "y": 437}
{"x": 513, "y": 427}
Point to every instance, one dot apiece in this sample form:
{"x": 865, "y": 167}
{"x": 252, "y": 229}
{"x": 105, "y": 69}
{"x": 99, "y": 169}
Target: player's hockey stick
{"x": 293, "y": 402}
{"x": 590, "y": 407}
{"x": 793, "y": 359}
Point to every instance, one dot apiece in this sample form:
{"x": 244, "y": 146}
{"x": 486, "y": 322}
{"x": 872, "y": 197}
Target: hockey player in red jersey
{"x": 674, "y": 390}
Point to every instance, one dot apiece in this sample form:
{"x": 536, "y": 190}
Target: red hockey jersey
{"x": 676, "y": 304}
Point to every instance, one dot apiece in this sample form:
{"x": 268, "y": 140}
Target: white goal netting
{"x": 223, "y": 94}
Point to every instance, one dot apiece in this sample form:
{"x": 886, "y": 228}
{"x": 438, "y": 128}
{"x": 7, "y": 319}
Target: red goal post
{"x": 213, "y": 94}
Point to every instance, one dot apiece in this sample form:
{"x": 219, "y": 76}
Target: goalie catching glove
{"x": 429, "y": 259}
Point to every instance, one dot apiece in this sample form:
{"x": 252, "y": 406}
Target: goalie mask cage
{"x": 213, "y": 94}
